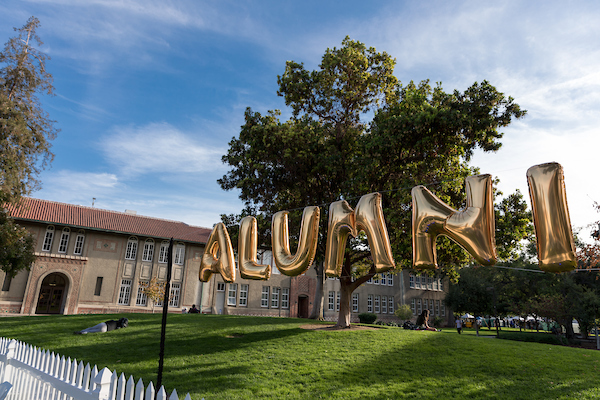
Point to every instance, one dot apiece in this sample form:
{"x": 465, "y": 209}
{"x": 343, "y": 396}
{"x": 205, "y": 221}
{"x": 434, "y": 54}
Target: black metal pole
{"x": 163, "y": 329}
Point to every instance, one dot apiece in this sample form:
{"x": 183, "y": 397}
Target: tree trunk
{"x": 345, "y": 310}
{"x": 318, "y": 305}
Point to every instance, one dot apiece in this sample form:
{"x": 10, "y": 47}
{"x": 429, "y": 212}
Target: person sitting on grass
{"x": 423, "y": 321}
{"x": 105, "y": 326}
{"x": 193, "y": 310}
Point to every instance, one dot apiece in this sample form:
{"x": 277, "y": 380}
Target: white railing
{"x": 40, "y": 375}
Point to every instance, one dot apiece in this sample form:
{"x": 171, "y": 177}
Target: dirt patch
{"x": 323, "y": 327}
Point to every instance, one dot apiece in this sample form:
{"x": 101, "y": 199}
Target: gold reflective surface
{"x": 367, "y": 217}
{"x": 555, "y": 245}
{"x": 307, "y": 245}
{"x": 247, "y": 246}
{"x": 218, "y": 256}
{"x": 473, "y": 228}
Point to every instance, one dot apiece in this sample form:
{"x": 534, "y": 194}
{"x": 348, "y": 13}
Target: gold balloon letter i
{"x": 307, "y": 244}
{"x": 218, "y": 257}
{"x": 247, "y": 245}
{"x": 368, "y": 217}
{"x": 555, "y": 245}
{"x": 473, "y": 228}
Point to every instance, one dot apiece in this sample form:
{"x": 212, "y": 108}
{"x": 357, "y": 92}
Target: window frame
{"x": 232, "y": 295}
{"x": 131, "y": 250}
{"x": 264, "y": 296}
{"x": 370, "y": 303}
{"x": 285, "y": 298}
{"x": 63, "y": 244}
{"x": 355, "y": 302}
{"x": 124, "y": 292}
{"x": 48, "y": 238}
{"x": 148, "y": 253}
{"x": 243, "y": 301}
{"x": 79, "y": 241}
{"x": 377, "y": 304}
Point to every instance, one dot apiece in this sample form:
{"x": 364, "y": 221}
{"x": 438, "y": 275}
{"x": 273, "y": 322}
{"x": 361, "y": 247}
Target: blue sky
{"x": 149, "y": 93}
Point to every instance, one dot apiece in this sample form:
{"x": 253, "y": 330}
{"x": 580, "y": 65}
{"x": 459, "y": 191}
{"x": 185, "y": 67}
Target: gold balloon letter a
{"x": 307, "y": 244}
{"x": 556, "y": 249}
{"x": 247, "y": 244}
{"x": 472, "y": 228}
{"x": 368, "y": 217}
{"x": 218, "y": 256}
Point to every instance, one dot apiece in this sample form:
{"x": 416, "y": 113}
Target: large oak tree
{"x": 329, "y": 150}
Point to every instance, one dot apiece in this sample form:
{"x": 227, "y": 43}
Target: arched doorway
{"x": 302, "y": 306}
{"x": 52, "y": 294}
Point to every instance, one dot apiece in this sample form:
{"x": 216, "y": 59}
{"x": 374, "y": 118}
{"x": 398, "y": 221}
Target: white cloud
{"x": 159, "y": 148}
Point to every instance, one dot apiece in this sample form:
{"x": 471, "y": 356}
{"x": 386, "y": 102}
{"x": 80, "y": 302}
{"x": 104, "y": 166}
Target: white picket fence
{"x": 40, "y": 375}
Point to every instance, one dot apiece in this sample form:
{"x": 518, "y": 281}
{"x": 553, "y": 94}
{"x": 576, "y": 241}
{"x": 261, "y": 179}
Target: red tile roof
{"x": 51, "y": 212}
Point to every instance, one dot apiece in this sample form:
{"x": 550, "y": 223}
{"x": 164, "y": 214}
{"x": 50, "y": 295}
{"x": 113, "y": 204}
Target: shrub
{"x": 367, "y": 318}
{"x": 438, "y": 322}
{"x": 403, "y": 312}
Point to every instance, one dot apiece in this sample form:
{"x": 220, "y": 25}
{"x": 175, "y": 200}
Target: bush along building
{"x": 98, "y": 261}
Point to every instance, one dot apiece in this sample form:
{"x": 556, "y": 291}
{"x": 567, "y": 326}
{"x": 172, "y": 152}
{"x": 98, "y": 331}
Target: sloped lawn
{"x": 229, "y": 357}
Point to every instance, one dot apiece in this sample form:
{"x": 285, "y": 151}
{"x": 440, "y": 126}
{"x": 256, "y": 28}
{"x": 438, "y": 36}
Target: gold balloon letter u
{"x": 555, "y": 245}
{"x": 307, "y": 244}
{"x": 247, "y": 245}
{"x": 368, "y": 217}
{"x": 473, "y": 228}
{"x": 218, "y": 256}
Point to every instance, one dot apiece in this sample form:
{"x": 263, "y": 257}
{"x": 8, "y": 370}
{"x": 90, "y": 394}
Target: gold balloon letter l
{"x": 556, "y": 248}
{"x": 307, "y": 244}
{"x": 472, "y": 228}
{"x": 247, "y": 244}
{"x": 368, "y": 217}
{"x": 218, "y": 257}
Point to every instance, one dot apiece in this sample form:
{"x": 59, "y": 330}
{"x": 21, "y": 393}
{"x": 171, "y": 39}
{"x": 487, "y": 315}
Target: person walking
{"x": 458, "y": 325}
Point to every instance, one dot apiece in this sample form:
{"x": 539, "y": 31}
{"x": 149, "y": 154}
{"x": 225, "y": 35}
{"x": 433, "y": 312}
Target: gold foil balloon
{"x": 307, "y": 245}
{"x": 368, "y": 217}
{"x": 473, "y": 228}
{"x": 555, "y": 245}
{"x": 218, "y": 256}
{"x": 247, "y": 245}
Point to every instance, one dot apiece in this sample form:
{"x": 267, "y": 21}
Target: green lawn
{"x": 228, "y": 357}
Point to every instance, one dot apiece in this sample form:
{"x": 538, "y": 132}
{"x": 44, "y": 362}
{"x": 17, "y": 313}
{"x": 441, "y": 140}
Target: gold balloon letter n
{"x": 472, "y": 228}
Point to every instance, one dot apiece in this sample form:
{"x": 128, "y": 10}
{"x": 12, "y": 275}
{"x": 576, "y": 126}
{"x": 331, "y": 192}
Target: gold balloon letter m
{"x": 368, "y": 217}
{"x": 473, "y": 228}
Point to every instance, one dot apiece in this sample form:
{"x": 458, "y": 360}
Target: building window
{"x": 125, "y": 292}
{"x": 391, "y": 304}
{"x": 141, "y": 299}
{"x": 413, "y": 307}
{"x": 355, "y": 302}
{"x": 330, "y": 304}
{"x": 419, "y": 309}
{"x": 442, "y": 284}
{"x": 232, "y": 294}
{"x": 64, "y": 240}
{"x": 370, "y": 303}
{"x": 417, "y": 282}
{"x": 163, "y": 253}
{"x": 390, "y": 279}
{"x": 431, "y": 306}
{"x": 79, "y": 244}
{"x": 98, "y": 288}
{"x": 443, "y": 309}
{"x": 131, "y": 250}
{"x": 220, "y": 287}
{"x": 430, "y": 283}
{"x": 178, "y": 254}
{"x": 435, "y": 283}
{"x": 148, "y": 250}
{"x": 383, "y": 280}
{"x": 6, "y": 283}
{"x": 47, "y": 246}
{"x": 337, "y": 302}
{"x": 264, "y": 297}
{"x": 285, "y": 298}
{"x": 370, "y": 281}
{"x": 275, "y": 298}
{"x": 175, "y": 293}
{"x": 411, "y": 281}
{"x": 437, "y": 307}
{"x": 376, "y": 280}
{"x": 384, "y": 304}
{"x": 243, "y": 295}
{"x": 377, "y": 309}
